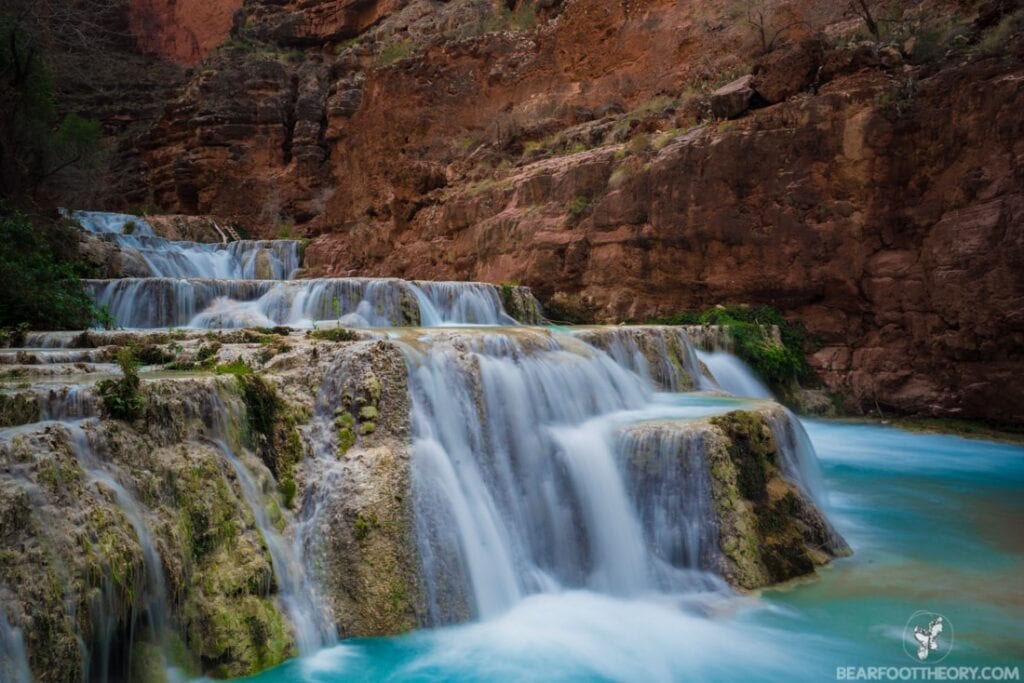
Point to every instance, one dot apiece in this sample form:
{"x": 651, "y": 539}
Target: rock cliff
{"x": 871, "y": 187}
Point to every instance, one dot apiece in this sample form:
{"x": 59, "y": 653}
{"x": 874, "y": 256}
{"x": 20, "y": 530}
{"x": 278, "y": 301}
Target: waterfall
{"x": 13, "y": 657}
{"x": 733, "y": 375}
{"x": 296, "y": 592}
{"x": 668, "y": 477}
{"x": 155, "y": 586}
{"x": 520, "y": 480}
{"x": 248, "y": 283}
{"x": 459, "y": 303}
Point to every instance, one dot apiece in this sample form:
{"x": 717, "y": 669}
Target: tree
{"x": 861, "y": 9}
{"x": 42, "y": 289}
{"x": 769, "y": 19}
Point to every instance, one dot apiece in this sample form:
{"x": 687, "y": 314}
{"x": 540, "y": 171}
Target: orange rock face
{"x": 880, "y": 202}
{"x": 181, "y": 31}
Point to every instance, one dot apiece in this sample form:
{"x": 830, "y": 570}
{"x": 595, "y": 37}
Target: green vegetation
{"x": 40, "y": 274}
{"x": 578, "y": 206}
{"x": 335, "y": 334}
{"x": 238, "y": 368}
{"x": 122, "y": 399}
{"x": 396, "y": 52}
{"x": 780, "y": 365}
{"x": 37, "y": 145}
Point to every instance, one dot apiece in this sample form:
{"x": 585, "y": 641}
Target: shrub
{"x": 749, "y": 327}
{"x": 121, "y": 397}
{"x": 578, "y": 206}
{"x": 335, "y": 334}
{"x": 40, "y": 275}
{"x": 396, "y": 52}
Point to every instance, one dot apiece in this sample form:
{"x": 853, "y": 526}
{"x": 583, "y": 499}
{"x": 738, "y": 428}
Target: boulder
{"x": 784, "y": 72}
{"x": 733, "y": 99}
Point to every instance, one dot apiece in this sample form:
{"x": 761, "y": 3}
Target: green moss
{"x": 237, "y": 367}
{"x": 369, "y": 413}
{"x": 335, "y": 334}
{"x": 122, "y": 399}
{"x": 364, "y": 524}
{"x": 18, "y": 409}
{"x": 750, "y": 329}
{"x": 288, "y": 489}
{"x": 752, "y": 449}
{"x": 367, "y": 428}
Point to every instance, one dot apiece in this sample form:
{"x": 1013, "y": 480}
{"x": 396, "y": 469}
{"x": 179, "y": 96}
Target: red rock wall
{"x": 886, "y": 210}
{"x": 181, "y": 31}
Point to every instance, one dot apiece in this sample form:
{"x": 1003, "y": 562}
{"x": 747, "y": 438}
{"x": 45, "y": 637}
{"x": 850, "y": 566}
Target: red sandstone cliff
{"x": 878, "y": 194}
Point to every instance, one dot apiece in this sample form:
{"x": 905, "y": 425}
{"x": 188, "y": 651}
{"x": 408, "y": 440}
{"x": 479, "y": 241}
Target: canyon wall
{"x": 873, "y": 192}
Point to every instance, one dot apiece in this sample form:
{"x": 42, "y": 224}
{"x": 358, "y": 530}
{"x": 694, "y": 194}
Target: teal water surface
{"x": 935, "y": 523}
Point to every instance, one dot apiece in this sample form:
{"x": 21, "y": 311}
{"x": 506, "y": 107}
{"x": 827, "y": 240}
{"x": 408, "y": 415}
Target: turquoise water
{"x": 935, "y": 523}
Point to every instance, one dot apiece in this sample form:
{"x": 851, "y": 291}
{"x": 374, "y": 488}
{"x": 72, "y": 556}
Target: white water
{"x": 525, "y": 482}
{"x": 13, "y": 656}
{"x": 249, "y": 284}
{"x": 733, "y": 375}
{"x": 295, "y": 591}
{"x": 155, "y": 601}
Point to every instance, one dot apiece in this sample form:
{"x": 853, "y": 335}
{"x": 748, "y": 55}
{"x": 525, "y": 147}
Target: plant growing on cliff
{"x": 780, "y": 362}
{"x": 121, "y": 397}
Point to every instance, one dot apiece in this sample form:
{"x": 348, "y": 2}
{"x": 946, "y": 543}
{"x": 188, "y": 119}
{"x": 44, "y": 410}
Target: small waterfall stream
{"x": 155, "y": 588}
{"x": 296, "y": 592}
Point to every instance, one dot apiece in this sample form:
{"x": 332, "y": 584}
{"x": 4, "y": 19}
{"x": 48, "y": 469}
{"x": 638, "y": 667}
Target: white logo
{"x": 928, "y": 635}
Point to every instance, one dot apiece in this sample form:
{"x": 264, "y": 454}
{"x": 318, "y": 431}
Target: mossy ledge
{"x": 768, "y": 530}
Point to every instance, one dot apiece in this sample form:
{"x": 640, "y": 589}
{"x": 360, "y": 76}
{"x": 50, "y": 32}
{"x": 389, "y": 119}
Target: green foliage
{"x": 237, "y": 367}
{"x": 396, "y": 52}
{"x": 36, "y": 143}
{"x": 778, "y": 365}
{"x": 994, "y": 42}
{"x": 122, "y": 399}
{"x": 41, "y": 278}
{"x": 288, "y": 489}
{"x": 578, "y": 206}
{"x": 335, "y": 334}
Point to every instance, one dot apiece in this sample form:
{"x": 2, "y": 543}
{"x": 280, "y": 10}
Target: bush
{"x": 335, "y": 334}
{"x": 578, "y": 206}
{"x": 39, "y": 272}
{"x": 396, "y": 52}
{"x": 121, "y": 397}
{"x": 749, "y": 327}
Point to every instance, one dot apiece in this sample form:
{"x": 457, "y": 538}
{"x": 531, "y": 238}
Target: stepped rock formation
{"x": 875, "y": 195}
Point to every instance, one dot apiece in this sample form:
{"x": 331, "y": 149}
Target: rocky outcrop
{"x": 761, "y": 525}
{"x": 182, "y": 31}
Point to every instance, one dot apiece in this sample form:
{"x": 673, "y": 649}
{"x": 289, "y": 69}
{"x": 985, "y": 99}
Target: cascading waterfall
{"x": 534, "y": 470}
{"x": 13, "y": 656}
{"x": 249, "y": 283}
{"x": 155, "y": 589}
{"x": 296, "y": 592}
{"x": 517, "y": 474}
{"x": 733, "y": 375}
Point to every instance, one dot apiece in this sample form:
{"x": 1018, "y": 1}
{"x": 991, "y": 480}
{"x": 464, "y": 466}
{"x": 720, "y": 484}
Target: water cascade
{"x": 538, "y": 461}
{"x": 526, "y": 483}
{"x": 296, "y": 593}
{"x": 249, "y": 283}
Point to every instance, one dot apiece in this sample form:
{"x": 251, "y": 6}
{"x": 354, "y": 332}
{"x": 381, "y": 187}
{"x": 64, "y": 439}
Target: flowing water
{"x": 248, "y": 283}
{"x": 560, "y": 502}
{"x": 934, "y": 524}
